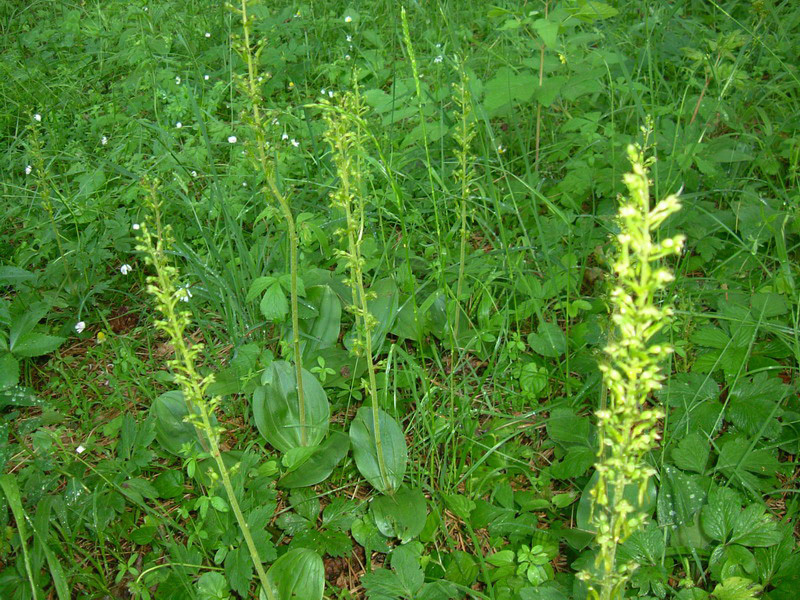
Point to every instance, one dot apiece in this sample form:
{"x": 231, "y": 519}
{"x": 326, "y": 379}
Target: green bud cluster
{"x": 628, "y": 425}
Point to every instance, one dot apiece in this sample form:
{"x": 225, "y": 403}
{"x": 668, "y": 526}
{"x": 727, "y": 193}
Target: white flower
{"x": 244, "y": 184}
{"x": 104, "y": 140}
{"x": 323, "y": 91}
{"x": 295, "y": 143}
{"x": 194, "y": 173}
{"x": 125, "y": 269}
{"x": 28, "y": 170}
{"x": 501, "y": 149}
{"x": 231, "y": 139}
{"x": 80, "y": 326}
{"x": 349, "y": 38}
{"x": 184, "y": 293}
{"x": 208, "y": 35}
{"x": 205, "y": 77}
{"x": 347, "y": 57}
{"x": 80, "y": 449}
{"x": 285, "y": 136}
{"x": 438, "y": 59}
{"x": 177, "y": 80}
{"x": 330, "y": 93}
{"x": 136, "y": 226}
{"x": 276, "y": 122}
{"x": 348, "y": 19}
{"x": 178, "y": 125}
{"x": 37, "y": 117}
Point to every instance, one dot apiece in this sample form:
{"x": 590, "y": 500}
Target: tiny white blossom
{"x": 295, "y": 143}
{"x": 80, "y": 326}
{"x": 501, "y": 149}
{"x": 231, "y": 139}
{"x": 184, "y": 293}
{"x": 37, "y": 117}
{"x": 347, "y": 57}
{"x": 323, "y": 91}
{"x": 28, "y": 170}
{"x": 208, "y": 35}
{"x": 205, "y": 77}
{"x": 285, "y": 136}
{"x": 348, "y": 19}
{"x": 349, "y": 38}
{"x": 104, "y": 140}
{"x": 125, "y": 269}
{"x": 136, "y": 227}
{"x": 438, "y": 59}
{"x": 244, "y": 184}
{"x": 80, "y": 449}
{"x": 330, "y": 93}
{"x": 177, "y": 80}
{"x": 194, "y": 173}
{"x": 178, "y": 125}
{"x": 276, "y": 122}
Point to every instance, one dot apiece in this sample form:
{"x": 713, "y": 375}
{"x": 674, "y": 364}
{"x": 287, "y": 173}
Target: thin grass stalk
{"x": 265, "y": 164}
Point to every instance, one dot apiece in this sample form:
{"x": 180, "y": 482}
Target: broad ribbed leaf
{"x": 276, "y": 409}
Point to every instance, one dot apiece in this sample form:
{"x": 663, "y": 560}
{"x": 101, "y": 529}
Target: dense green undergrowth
{"x": 412, "y": 211}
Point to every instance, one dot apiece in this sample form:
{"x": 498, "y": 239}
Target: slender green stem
{"x": 263, "y": 161}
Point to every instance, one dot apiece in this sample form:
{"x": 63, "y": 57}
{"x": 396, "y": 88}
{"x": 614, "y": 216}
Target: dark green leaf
{"x": 277, "y": 414}
{"x": 365, "y": 451}
{"x": 298, "y": 575}
{"x": 401, "y": 515}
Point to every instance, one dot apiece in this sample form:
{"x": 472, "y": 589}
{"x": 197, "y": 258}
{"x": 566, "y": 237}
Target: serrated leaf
{"x": 258, "y": 286}
{"x": 239, "y": 570}
{"x": 569, "y": 429}
{"x": 736, "y": 588}
{"x": 212, "y": 586}
{"x": 680, "y": 497}
{"x": 274, "y": 305}
{"x": 711, "y": 337}
{"x": 33, "y": 344}
{"x": 549, "y": 340}
{"x": 754, "y": 405}
{"x": 692, "y": 453}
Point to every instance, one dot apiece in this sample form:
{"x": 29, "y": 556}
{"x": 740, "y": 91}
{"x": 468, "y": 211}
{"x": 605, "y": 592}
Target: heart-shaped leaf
{"x": 365, "y": 450}
{"x": 277, "y": 413}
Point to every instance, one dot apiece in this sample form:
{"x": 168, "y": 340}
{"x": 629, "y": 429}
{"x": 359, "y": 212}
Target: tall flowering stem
{"x": 464, "y": 173}
{"x": 154, "y": 242}
{"x": 263, "y": 161}
{"x": 628, "y": 426}
{"x": 344, "y": 134}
